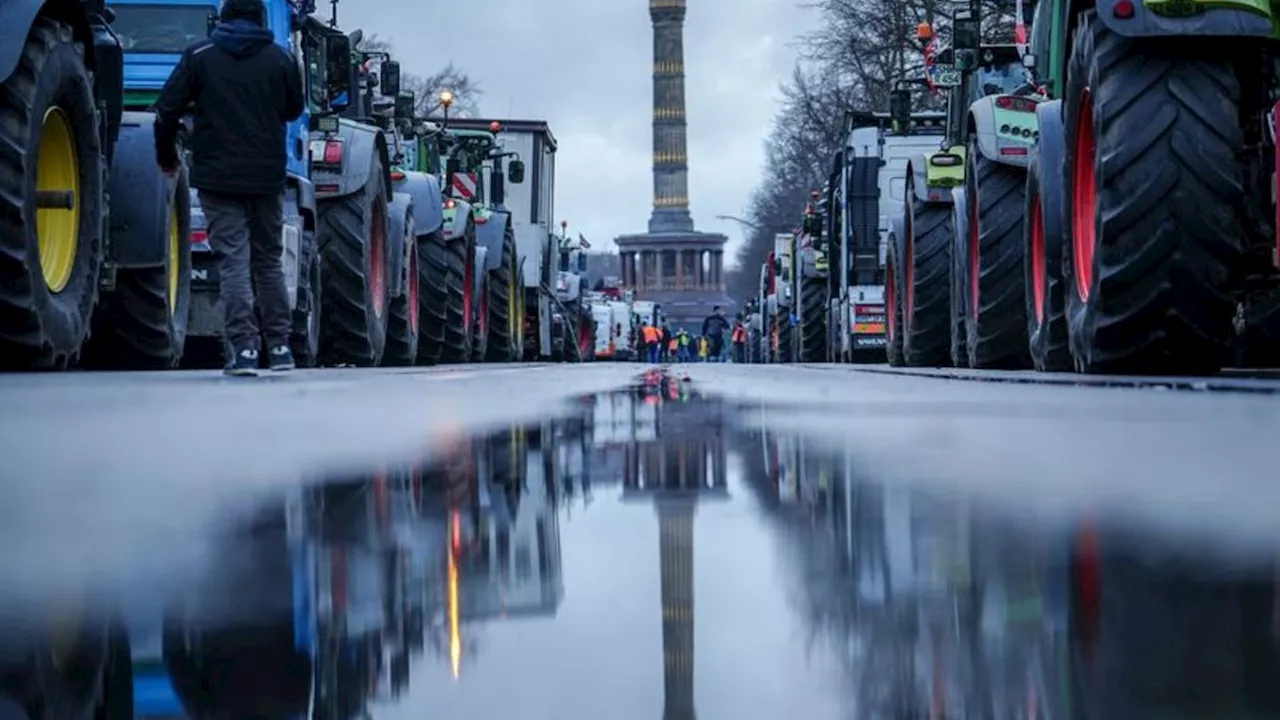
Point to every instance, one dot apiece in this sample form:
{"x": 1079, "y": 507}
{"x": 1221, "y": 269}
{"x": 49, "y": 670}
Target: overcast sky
{"x": 586, "y": 67}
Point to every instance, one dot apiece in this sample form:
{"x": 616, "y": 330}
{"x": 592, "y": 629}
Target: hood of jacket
{"x": 241, "y": 37}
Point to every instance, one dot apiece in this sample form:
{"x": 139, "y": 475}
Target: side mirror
{"x": 337, "y": 53}
{"x": 390, "y": 78}
{"x": 515, "y": 171}
{"x": 405, "y": 103}
{"x": 900, "y": 108}
{"x": 1029, "y": 61}
{"x": 965, "y": 31}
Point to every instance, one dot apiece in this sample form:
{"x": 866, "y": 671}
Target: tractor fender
{"x": 917, "y": 172}
{"x": 1245, "y": 18}
{"x": 479, "y": 279}
{"x": 17, "y": 17}
{"x": 303, "y": 195}
{"x": 489, "y": 235}
{"x": 985, "y": 117}
{"x": 398, "y": 227}
{"x": 141, "y": 196}
{"x": 454, "y": 220}
{"x": 359, "y": 143}
{"x": 428, "y": 207}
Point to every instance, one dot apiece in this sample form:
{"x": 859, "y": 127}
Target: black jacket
{"x": 714, "y": 326}
{"x": 242, "y": 88}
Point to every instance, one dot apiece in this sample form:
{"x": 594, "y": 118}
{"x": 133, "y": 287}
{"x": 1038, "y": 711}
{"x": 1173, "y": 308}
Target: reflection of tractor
{"x": 574, "y": 332}
{"x": 65, "y": 267}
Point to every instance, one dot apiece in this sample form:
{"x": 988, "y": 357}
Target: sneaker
{"x": 281, "y": 358}
{"x": 243, "y": 363}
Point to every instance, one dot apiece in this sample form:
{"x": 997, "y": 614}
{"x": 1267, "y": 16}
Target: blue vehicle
{"x": 93, "y": 270}
{"x": 154, "y": 35}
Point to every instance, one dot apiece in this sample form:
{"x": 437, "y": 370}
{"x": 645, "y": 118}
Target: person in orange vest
{"x": 652, "y": 340}
{"x": 739, "y": 341}
{"x": 673, "y": 347}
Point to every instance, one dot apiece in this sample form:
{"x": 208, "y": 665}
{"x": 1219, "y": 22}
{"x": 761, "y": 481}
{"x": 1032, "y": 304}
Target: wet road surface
{"x": 725, "y": 541}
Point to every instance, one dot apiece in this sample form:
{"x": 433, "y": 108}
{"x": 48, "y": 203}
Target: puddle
{"x": 660, "y": 553}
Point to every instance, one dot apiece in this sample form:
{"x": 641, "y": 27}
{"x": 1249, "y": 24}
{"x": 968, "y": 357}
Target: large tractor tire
{"x": 505, "y": 317}
{"x": 893, "y": 304}
{"x": 49, "y": 258}
{"x": 783, "y": 333}
{"x": 1045, "y": 300}
{"x": 996, "y": 322}
{"x": 1156, "y": 193}
{"x": 480, "y": 333}
{"x": 813, "y": 320}
{"x": 142, "y": 323}
{"x": 304, "y": 339}
{"x": 959, "y": 275}
{"x": 433, "y": 296}
{"x": 458, "y": 334}
{"x": 403, "y": 327}
{"x": 353, "y": 252}
{"x": 926, "y": 287}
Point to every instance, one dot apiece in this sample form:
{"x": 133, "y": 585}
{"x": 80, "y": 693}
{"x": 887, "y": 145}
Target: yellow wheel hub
{"x": 57, "y": 228}
{"x": 175, "y": 266}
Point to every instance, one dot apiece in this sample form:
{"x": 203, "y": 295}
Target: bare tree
{"x": 427, "y": 88}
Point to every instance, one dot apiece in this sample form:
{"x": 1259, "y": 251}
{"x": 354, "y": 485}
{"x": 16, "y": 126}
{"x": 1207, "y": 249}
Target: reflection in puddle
{"x": 347, "y": 598}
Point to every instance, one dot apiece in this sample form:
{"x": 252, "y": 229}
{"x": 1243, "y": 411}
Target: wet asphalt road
{"x": 752, "y": 542}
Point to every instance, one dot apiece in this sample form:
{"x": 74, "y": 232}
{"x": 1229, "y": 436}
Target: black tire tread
{"x": 997, "y": 336}
{"x": 349, "y": 332}
{"x": 433, "y": 296}
{"x": 37, "y": 331}
{"x": 1170, "y": 206}
{"x": 458, "y": 328}
{"x": 502, "y": 345}
{"x": 813, "y": 319}
{"x": 402, "y": 338}
{"x": 893, "y": 308}
{"x": 926, "y": 339}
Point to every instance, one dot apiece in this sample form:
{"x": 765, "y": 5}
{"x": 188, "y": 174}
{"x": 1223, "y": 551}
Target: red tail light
{"x": 333, "y": 152}
{"x": 199, "y": 236}
{"x": 1017, "y": 104}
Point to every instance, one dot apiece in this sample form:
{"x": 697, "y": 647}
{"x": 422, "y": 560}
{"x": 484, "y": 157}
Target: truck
{"x": 575, "y": 329}
{"x": 94, "y": 261}
{"x": 864, "y": 197}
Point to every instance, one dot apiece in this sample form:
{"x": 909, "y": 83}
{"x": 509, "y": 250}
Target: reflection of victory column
{"x": 676, "y": 474}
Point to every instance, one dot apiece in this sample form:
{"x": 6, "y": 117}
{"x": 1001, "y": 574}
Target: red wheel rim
{"x": 377, "y": 260}
{"x": 891, "y": 300}
{"x": 483, "y": 321}
{"x": 1084, "y": 197}
{"x": 413, "y": 289}
{"x": 908, "y": 268}
{"x": 1038, "y": 266}
{"x": 975, "y": 273}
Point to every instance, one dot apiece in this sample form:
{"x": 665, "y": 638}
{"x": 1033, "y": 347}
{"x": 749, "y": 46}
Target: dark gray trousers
{"x": 245, "y": 232}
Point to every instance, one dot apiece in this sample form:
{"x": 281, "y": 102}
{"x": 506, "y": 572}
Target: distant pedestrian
{"x": 242, "y": 89}
{"x": 739, "y": 341}
{"x": 713, "y": 328}
{"x": 652, "y": 342}
{"x": 683, "y": 339}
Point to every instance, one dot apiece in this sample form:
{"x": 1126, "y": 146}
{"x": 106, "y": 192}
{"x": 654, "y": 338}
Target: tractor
{"x": 1155, "y": 250}
{"x": 83, "y": 280}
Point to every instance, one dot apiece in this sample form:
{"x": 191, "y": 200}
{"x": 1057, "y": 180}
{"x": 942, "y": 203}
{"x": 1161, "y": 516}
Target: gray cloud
{"x": 585, "y": 66}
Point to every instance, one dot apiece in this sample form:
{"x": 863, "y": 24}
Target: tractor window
{"x": 1000, "y": 79}
{"x": 314, "y": 64}
{"x": 161, "y": 28}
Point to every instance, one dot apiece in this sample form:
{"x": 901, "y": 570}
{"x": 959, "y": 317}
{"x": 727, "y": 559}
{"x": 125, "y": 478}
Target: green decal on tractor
{"x": 1186, "y": 8}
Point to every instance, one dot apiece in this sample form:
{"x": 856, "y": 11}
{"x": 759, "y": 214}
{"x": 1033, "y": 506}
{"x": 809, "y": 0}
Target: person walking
{"x": 652, "y": 342}
{"x": 242, "y": 89}
{"x": 713, "y": 328}
{"x": 740, "y": 341}
{"x": 683, "y": 341}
